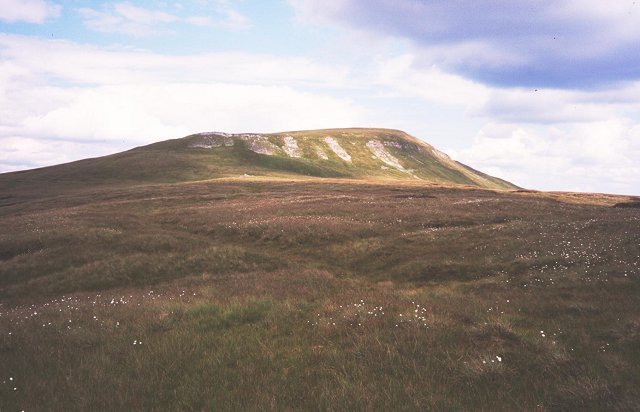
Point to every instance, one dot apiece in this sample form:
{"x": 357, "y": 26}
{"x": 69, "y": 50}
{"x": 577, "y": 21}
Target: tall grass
{"x": 256, "y": 342}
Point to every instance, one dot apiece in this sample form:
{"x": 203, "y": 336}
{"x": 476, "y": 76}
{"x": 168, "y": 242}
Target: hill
{"x": 338, "y": 153}
{"x": 284, "y": 292}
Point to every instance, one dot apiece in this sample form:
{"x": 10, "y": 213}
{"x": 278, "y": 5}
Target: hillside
{"x": 139, "y": 275}
{"x": 254, "y": 294}
{"x": 337, "y": 153}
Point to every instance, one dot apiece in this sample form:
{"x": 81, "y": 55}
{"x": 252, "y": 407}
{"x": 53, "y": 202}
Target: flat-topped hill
{"x": 338, "y": 153}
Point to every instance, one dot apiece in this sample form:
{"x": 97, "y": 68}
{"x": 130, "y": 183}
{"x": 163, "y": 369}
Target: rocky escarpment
{"x": 370, "y": 153}
{"x": 287, "y": 145}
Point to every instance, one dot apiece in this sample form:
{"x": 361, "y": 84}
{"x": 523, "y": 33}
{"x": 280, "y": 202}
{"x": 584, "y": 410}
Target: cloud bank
{"x": 559, "y": 44}
{"x": 133, "y": 20}
{"x": 90, "y": 98}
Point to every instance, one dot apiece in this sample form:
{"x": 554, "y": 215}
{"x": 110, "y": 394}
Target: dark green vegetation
{"x": 250, "y": 294}
{"x": 254, "y": 293}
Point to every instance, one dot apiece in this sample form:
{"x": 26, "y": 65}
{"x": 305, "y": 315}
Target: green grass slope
{"x": 372, "y": 154}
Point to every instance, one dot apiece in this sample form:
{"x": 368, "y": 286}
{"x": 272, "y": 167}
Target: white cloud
{"x": 400, "y": 74}
{"x": 98, "y": 121}
{"x": 127, "y": 19}
{"x": 110, "y": 99}
{"x": 405, "y": 75}
{"x": 89, "y": 100}
{"x": 545, "y": 106}
{"x": 29, "y": 11}
{"x": 307, "y": 10}
{"x": 152, "y": 112}
{"x": 20, "y": 153}
{"x": 82, "y": 64}
{"x": 132, "y": 20}
{"x": 199, "y": 20}
{"x": 599, "y": 156}
{"x": 234, "y": 19}
{"x": 226, "y": 16}
{"x": 563, "y": 43}
{"x": 550, "y": 139}
{"x": 142, "y": 16}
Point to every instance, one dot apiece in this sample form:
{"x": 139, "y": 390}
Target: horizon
{"x": 544, "y": 96}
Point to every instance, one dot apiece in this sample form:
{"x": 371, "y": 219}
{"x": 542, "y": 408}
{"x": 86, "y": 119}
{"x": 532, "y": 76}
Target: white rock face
{"x": 259, "y": 144}
{"x": 211, "y": 140}
{"x": 337, "y": 149}
{"x": 291, "y": 147}
{"x": 255, "y": 142}
{"x": 215, "y": 134}
{"x": 377, "y": 148}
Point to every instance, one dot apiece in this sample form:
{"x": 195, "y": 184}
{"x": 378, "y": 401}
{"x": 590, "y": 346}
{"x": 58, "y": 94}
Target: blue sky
{"x": 545, "y": 94}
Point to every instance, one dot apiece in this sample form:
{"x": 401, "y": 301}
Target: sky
{"x": 543, "y": 94}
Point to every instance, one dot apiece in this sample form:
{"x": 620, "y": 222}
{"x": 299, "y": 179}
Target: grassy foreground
{"x": 306, "y": 295}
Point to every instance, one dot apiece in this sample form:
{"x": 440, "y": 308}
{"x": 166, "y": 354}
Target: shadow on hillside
{"x": 634, "y": 203}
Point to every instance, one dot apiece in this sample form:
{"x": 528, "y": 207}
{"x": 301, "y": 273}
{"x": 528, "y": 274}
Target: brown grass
{"x": 279, "y": 294}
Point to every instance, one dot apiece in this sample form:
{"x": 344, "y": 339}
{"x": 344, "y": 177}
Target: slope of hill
{"x": 137, "y": 274}
{"x": 273, "y": 294}
{"x": 338, "y": 153}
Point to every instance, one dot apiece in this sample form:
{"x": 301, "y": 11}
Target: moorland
{"x": 132, "y": 285}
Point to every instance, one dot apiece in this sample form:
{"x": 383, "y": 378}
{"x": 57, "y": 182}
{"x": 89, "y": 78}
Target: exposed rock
{"x": 259, "y": 144}
{"x": 212, "y": 140}
{"x": 391, "y": 151}
{"x": 291, "y": 147}
{"x": 395, "y": 144}
{"x": 337, "y": 149}
{"x": 381, "y": 153}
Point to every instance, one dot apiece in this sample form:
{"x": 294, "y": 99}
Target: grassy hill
{"x": 366, "y": 153}
{"x": 282, "y": 291}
